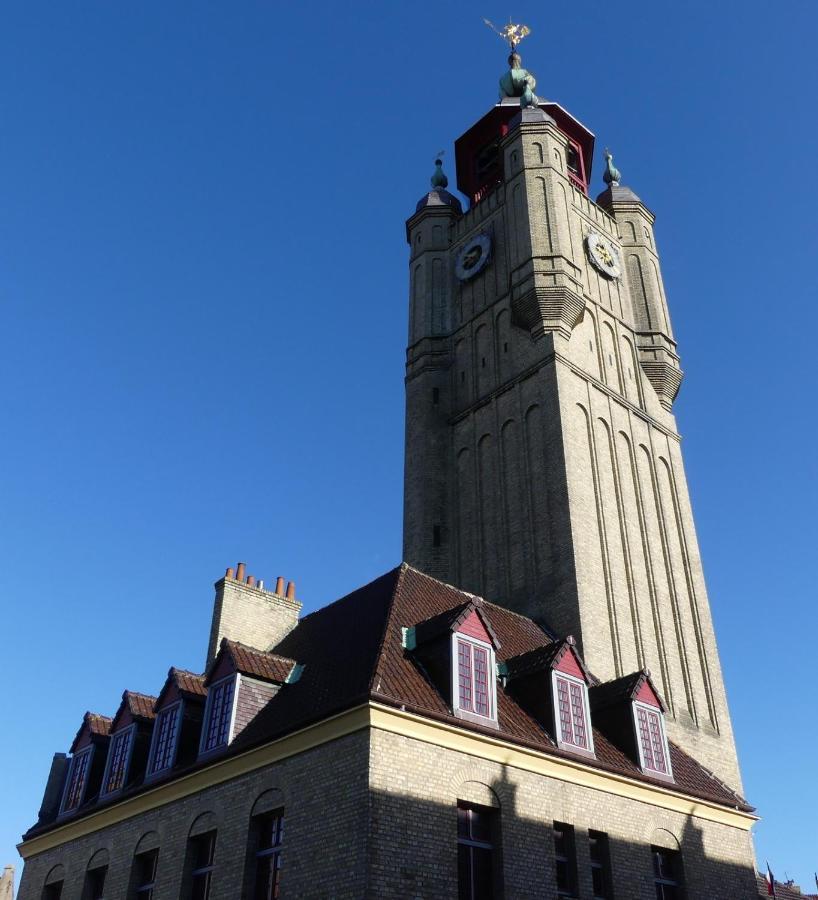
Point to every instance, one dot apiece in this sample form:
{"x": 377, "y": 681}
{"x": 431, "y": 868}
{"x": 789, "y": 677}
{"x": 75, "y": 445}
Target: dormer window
{"x": 77, "y": 780}
{"x": 119, "y": 756}
{"x": 473, "y": 678}
{"x": 652, "y": 742}
{"x": 219, "y": 714}
{"x": 165, "y": 735}
{"x": 571, "y": 712}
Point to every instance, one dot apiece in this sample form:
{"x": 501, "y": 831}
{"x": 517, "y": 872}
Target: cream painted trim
{"x": 216, "y": 773}
{"x": 568, "y": 770}
{"x": 385, "y": 718}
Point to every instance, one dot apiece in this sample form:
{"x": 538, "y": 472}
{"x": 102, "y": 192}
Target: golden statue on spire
{"x": 511, "y": 33}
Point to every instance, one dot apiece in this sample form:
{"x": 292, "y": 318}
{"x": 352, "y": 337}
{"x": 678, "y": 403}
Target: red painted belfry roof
{"x": 253, "y": 662}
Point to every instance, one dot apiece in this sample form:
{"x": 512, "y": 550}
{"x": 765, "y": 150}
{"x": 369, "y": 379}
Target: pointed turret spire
{"x": 439, "y": 179}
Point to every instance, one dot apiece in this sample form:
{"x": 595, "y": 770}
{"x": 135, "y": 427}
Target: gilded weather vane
{"x": 517, "y": 82}
{"x": 511, "y": 33}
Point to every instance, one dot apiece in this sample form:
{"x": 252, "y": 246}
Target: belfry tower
{"x": 543, "y": 462}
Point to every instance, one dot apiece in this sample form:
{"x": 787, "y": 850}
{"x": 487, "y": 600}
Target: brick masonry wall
{"x": 567, "y": 498}
{"x": 253, "y": 697}
{"x": 324, "y": 794}
{"x": 413, "y": 853}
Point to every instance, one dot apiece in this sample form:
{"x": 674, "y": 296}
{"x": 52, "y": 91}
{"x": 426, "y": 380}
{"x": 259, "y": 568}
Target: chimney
{"x": 244, "y": 611}
{"x": 53, "y": 788}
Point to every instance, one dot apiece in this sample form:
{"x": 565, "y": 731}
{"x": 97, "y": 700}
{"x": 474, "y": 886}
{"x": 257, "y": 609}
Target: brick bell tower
{"x": 543, "y": 462}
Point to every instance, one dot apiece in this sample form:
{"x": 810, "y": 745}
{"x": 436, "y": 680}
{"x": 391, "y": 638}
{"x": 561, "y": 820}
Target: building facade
{"x": 571, "y": 737}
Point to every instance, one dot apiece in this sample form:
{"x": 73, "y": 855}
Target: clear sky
{"x": 203, "y": 303}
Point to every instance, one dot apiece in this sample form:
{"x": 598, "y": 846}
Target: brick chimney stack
{"x": 245, "y": 611}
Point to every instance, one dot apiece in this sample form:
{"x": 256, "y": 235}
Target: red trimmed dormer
{"x": 631, "y": 713}
{"x": 130, "y": 743}
{"x": 458, "y": 649}
{"x": 177, "y": 726}
{"x": 88, "y": 754}
{"x": 552, "y": 683}
{"x": 240, "y": 682}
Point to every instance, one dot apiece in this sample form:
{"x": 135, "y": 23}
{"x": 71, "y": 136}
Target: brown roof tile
{"x": 352, "y": 652}
{"x": 96, "y": 725}
{"x": 257, "y": 663}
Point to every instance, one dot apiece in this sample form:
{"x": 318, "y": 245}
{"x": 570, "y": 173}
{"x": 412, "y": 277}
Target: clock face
{"x": 472, "y": 257}
{"x": 603, "y": 255}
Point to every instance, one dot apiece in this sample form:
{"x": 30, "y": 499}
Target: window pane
{"x": 644, "y": 738}
{"x": 221, "y": 707}
{"x": 201, "y": 886}
{"x": 482, "y": 874}
{"x": 145, "y": 873}
{"x": 166, "y": 725}
{"x": 119, "y": 756}
{"x": 578, "y": 714}
{"x": 566, "y": 727}
{"x": 464, "y": 675}
{"x": 475, "y": 852}
{"x": 657, "y": 744}
{"x": 565, "y": 858}
{"x": 96, "y": 883}
{"x": 53, "y": 891}
{"x": 481, "y": 682}
{"x": 76, "y": 783}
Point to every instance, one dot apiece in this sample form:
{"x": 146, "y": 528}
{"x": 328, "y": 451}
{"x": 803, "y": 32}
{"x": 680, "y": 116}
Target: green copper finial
{"x": 611, "y": 174}
{"x": 439, "y": 179}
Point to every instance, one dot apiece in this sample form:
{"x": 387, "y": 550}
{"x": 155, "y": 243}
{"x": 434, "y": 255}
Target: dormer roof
{"x": 188, "y": 684}
{"x": 636, "y": 686}
{"x": 94, "y": 725}
{"x": 138, "y": 706}
{"x": 251, "y": 661}
{"x": 548, "y": 657}
{"x": 452, "y": 620}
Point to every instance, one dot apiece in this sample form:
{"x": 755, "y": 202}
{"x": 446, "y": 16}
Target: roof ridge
{"x": 363, "y": 587}
{"x": 401, "y": 570}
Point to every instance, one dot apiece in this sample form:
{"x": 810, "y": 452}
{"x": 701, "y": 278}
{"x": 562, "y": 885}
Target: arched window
{"x": 265, "y": 846}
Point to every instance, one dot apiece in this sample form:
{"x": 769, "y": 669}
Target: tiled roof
{"x": 257, "y": 663}
{"x": 622, "y": 689}
{"x": 353, "y": 651}
{"x": 96, "y": 724}
{"x": 188, "y": 683}
{"x": 448, "y": 620}
{"x": 543, "y": 658}
{"x": 782, "y": 891}
{"x": 139, "y": 705}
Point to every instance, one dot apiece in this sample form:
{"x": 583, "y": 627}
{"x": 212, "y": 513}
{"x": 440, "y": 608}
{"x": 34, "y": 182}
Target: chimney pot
{"x": 291, "y": 590}
{"x": 251, "y": 580}
{"x": 280, "y": 586}
{"x": 229, "y": 572}
{"x": 240, "y": 572}
{"x": 260, "y": 584}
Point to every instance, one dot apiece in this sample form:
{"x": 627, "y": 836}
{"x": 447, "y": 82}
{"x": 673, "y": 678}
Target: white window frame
{"x": 635, "y": 715}
{"x": 236, "y": 678}
{"x": 589, "y": 729}
{"x": 110, "y": 759}
{"x": 468, "y": 714}
{"x": 150, "y": 774}
{"x": 89, "y": 751}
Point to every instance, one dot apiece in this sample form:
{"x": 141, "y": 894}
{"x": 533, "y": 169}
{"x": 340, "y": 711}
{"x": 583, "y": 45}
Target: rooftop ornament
{"x": 611, "y": 176}
{"x": 517, "y": 82}
{"x": 439, "y": 179}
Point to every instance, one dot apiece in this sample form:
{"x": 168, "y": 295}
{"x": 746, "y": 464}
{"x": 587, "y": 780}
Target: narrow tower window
{"x": 435, "y": 396}
{"x": 436, "y": 535}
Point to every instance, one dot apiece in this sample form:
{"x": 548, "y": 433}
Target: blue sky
{"x": 203, "y": 305}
